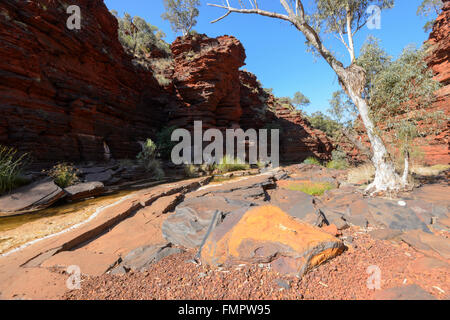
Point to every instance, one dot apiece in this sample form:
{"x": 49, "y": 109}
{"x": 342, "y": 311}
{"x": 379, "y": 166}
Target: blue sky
{"x": 275, "y": 50}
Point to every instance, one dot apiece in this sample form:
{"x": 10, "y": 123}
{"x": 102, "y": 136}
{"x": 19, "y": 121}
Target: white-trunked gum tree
{"x": 343, "y": 19}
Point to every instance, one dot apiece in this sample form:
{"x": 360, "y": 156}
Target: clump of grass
{"x": 147, "y": 159}
{"x": 310, "y": 187}
{"x": 337, "y": 164}
{"x": 64, "y": 174}
{"x": 11, "y": 168}
{"x": 363, "y": 174}
{"x": 229, "y": 164}
{"x": 190, "y": 170}
{"x": 429, "y": 171}
{"x": 312, "y": 160}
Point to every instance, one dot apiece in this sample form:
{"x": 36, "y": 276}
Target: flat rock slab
{"x": 188, "y": 226}
{"x": 295, "y": 203}
{"x": 36, "y": 196}
{"x": 100, "y": 176}
{"x": 427, "y": 243}
{"x": 142, "y": 258}
{"x": 392, "y": 215}
{"x": 409, "y": 292}
{"x": 266, "y": 234}
{"x": 84, "y": 190}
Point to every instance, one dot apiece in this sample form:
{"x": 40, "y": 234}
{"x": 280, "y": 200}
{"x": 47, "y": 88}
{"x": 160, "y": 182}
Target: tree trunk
{"x": 385, "y": 176}
{"x": 406, "y": 169}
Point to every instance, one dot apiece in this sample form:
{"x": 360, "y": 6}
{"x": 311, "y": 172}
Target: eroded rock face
{"x": 64, "y": 93}
{"x": 77, "y": 95}
{"x": 436, "y": 146}
{"x": 206, "y": 79}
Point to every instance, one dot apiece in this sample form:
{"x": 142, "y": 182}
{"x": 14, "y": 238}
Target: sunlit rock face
{"x": 436, "y": 147}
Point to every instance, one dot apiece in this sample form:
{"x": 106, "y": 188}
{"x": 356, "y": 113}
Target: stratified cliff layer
{"x": 71, "y": 94}
{"x": 436, "y": 147}
{"x": 64, "y": 93}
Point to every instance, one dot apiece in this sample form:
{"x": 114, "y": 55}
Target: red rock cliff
{"x": 206, "y": 80}
{"x": 64, "y": 93}
{"x": 437, "y": 147}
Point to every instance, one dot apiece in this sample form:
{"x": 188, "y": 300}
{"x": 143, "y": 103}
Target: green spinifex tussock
{"x": 11, "y": 168}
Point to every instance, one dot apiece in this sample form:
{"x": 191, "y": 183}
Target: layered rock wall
{"x": 65, "y": 93}
{"x": 69, "y": 94}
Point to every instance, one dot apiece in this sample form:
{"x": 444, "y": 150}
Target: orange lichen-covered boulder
{"x": 267, "y": 234}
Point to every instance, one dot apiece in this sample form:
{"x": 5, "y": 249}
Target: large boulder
{"x": 192, "y": 218}
{"x": 267, "y": 234}
{"x": 36, "y": 196}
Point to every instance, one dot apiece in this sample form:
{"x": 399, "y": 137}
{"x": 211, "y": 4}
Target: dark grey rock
{"x": 188, "y": 226}
{"x": 334, "y": 218}
{"x": 101, "y": 176}
{"x": 358, "y": 220}
{"x": 84, "y": 190}
{"x": 142, "y": 258}
{"x": 283, "y": 284}
{"x": 390, "y": 214}
{"x": 36, "y": 196}
{"x": 297, "y": 204}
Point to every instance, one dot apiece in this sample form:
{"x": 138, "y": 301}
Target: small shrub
{"x": 147, "y": 159}
{"x": 191, "y": 170}
{"x": 11, "y": 168}
{"x": 229, "y": 164}
{"x": 64, "y": 174}
{"x": 312, "y": 160}
{"x": 429, "y": 171}
{"x": 337, "y": 164}
{"x": 311, "y": 188}
{"x": 362, "y": 174}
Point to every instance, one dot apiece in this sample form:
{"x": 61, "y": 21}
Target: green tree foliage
{"x": 182, "y": 14}
{"x": 401, "y": 95}
{"x": 137, "y": 35}
{"x": 339, "y": 17}
{"x": 373, "y": 59}
{"x": 300, "y": 100}
{"x": 430, "y": 8}
{"x": 324, "y": 123}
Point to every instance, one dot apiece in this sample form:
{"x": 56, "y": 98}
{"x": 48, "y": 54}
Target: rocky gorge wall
{"x": 210, "y": 87}
{"x": 436, "y": 147}
{"x": 65, "y": 94}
